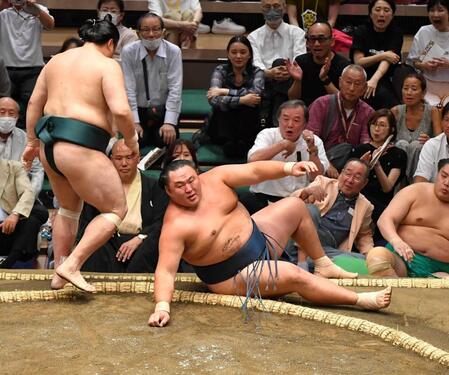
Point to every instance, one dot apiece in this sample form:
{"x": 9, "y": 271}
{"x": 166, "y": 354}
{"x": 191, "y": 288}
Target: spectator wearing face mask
{"x": 153, "y": 78}
{"x": 273, "y": 44}
{"x": 20, "y": 47}
{"x": 116, "y": 9}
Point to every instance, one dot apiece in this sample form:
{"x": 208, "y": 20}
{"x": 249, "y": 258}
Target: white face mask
{"x": 152, "y": 45}
{"x": 7, "y": 124}
{"x": 114, "y": 16}
{"x": 21, "y": 3}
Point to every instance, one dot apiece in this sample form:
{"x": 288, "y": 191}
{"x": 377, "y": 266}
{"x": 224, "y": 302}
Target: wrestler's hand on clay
{"x": 303, "y": 167}
{"x": 159, "y": 319}
{"x": 168, "y": 133}
{"x": 127, "y": 249}
{"x": 403, "y": 249}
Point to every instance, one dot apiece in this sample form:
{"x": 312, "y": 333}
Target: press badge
{"x": 351, "y": 211}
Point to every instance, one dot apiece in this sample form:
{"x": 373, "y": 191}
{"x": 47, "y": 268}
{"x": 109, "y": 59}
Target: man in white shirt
{"x": 433, "y": 151}
{"x": 272, "y": 44}
{"x": 153, "y": 78}
{"x": 20, "y": 47}
{"x": 290, "y": 143}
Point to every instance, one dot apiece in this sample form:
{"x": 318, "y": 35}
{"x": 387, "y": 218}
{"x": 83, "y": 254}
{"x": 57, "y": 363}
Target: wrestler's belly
{"x": 210, "y": 248}
{"x": 426, "y": 241}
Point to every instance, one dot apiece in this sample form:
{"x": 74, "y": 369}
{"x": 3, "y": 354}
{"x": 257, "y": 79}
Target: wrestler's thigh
{"x": 67, "y": 197}
{"x": 289, "y": 280}
{"x": 281, "y": 219}
{"x": 91, "y": 175}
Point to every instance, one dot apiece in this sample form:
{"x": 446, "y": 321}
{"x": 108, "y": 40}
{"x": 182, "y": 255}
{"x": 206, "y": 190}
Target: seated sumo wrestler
{"x": 134, "y": 248}
{"x": 415, "y": 224}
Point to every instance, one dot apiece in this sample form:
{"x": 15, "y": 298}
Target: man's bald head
{"x": 9, "y": 106}
{"x": 125, "y": 161}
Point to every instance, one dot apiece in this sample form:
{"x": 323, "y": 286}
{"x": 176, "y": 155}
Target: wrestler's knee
{"x": 296, "y": 203}
{"x": 116, "y": 215}
{"x": 379, "y": 260}
{"x": 70, "y": 214}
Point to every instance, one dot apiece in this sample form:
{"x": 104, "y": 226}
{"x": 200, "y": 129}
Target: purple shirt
{"x": 358, "y": 132}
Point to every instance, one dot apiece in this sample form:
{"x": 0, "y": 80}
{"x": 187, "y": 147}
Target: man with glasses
{"x": 318, "y": 70}
{"x": 153, "y": 77}
{"x": 273, "y": 44}
{"x": 342, "y": 214}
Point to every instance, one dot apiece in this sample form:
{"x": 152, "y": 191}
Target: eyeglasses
{"x": 319, "y": 39}
{"x": 268, "y": 7}
{"x": 381, "y": 126}
{"x": 355, "y": 177}
{"x": 154, "y": 30}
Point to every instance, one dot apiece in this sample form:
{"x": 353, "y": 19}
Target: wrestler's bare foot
{"x": 324, "y": 267}
{"x": 374, "y": 300}
{"x": 75, "y": 278}
{"x": 57, "y": 282}
{"x": 441, "y": 275}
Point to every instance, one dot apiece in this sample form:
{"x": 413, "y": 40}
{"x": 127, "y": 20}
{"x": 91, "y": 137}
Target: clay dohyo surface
{"x": 108, "y": 334}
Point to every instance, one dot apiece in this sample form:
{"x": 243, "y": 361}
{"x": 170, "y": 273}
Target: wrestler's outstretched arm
{"x": 171, "y": 248}
{"x": 34, "y": 113}
{"x": 115, "y": 95}
{"x": 393, "y": 216}
{"x": 253, "y": 173}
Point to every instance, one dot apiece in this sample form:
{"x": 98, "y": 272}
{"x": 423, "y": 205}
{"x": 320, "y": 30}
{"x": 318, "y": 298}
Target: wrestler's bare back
{"x": 426, "y": 225}
{"x": 212, "y": 232}
{"x": 74, "y": 85}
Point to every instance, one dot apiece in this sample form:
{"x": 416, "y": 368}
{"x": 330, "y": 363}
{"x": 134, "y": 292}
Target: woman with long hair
{"x": 417, "y": 121}
{"x": 234, "y": 95}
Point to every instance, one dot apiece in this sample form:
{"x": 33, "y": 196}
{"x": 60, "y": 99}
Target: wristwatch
{"x": 142, "y": 236}
{"x": 326, "y": 81}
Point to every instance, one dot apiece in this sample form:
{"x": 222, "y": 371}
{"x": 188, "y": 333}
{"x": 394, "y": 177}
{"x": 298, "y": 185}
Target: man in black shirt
{"x": 316, "y": 73}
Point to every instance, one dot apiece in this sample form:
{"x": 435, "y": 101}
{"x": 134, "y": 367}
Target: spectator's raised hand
{"x": 423, "y": 138}
{"x": 294, "y": 70}
{"x": 324, "y": 71}
{"x": 289, "y": 147}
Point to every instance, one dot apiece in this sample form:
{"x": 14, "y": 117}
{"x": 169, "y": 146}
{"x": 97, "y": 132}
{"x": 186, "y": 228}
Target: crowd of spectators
{"x": 372, "y": 121}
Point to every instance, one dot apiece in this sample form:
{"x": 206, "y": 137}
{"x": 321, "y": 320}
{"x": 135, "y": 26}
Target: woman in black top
{"x": 387, "y": 173}
{"x": 377, "y": 47}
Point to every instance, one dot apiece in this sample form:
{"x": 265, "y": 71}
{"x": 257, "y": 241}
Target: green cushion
{"x": 214, "y": 155}
{"x": 351, "y": 264}
{"x": 194, "y": 103}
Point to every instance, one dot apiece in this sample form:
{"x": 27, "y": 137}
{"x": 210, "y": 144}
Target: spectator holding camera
{"x": 21, "y": 28}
